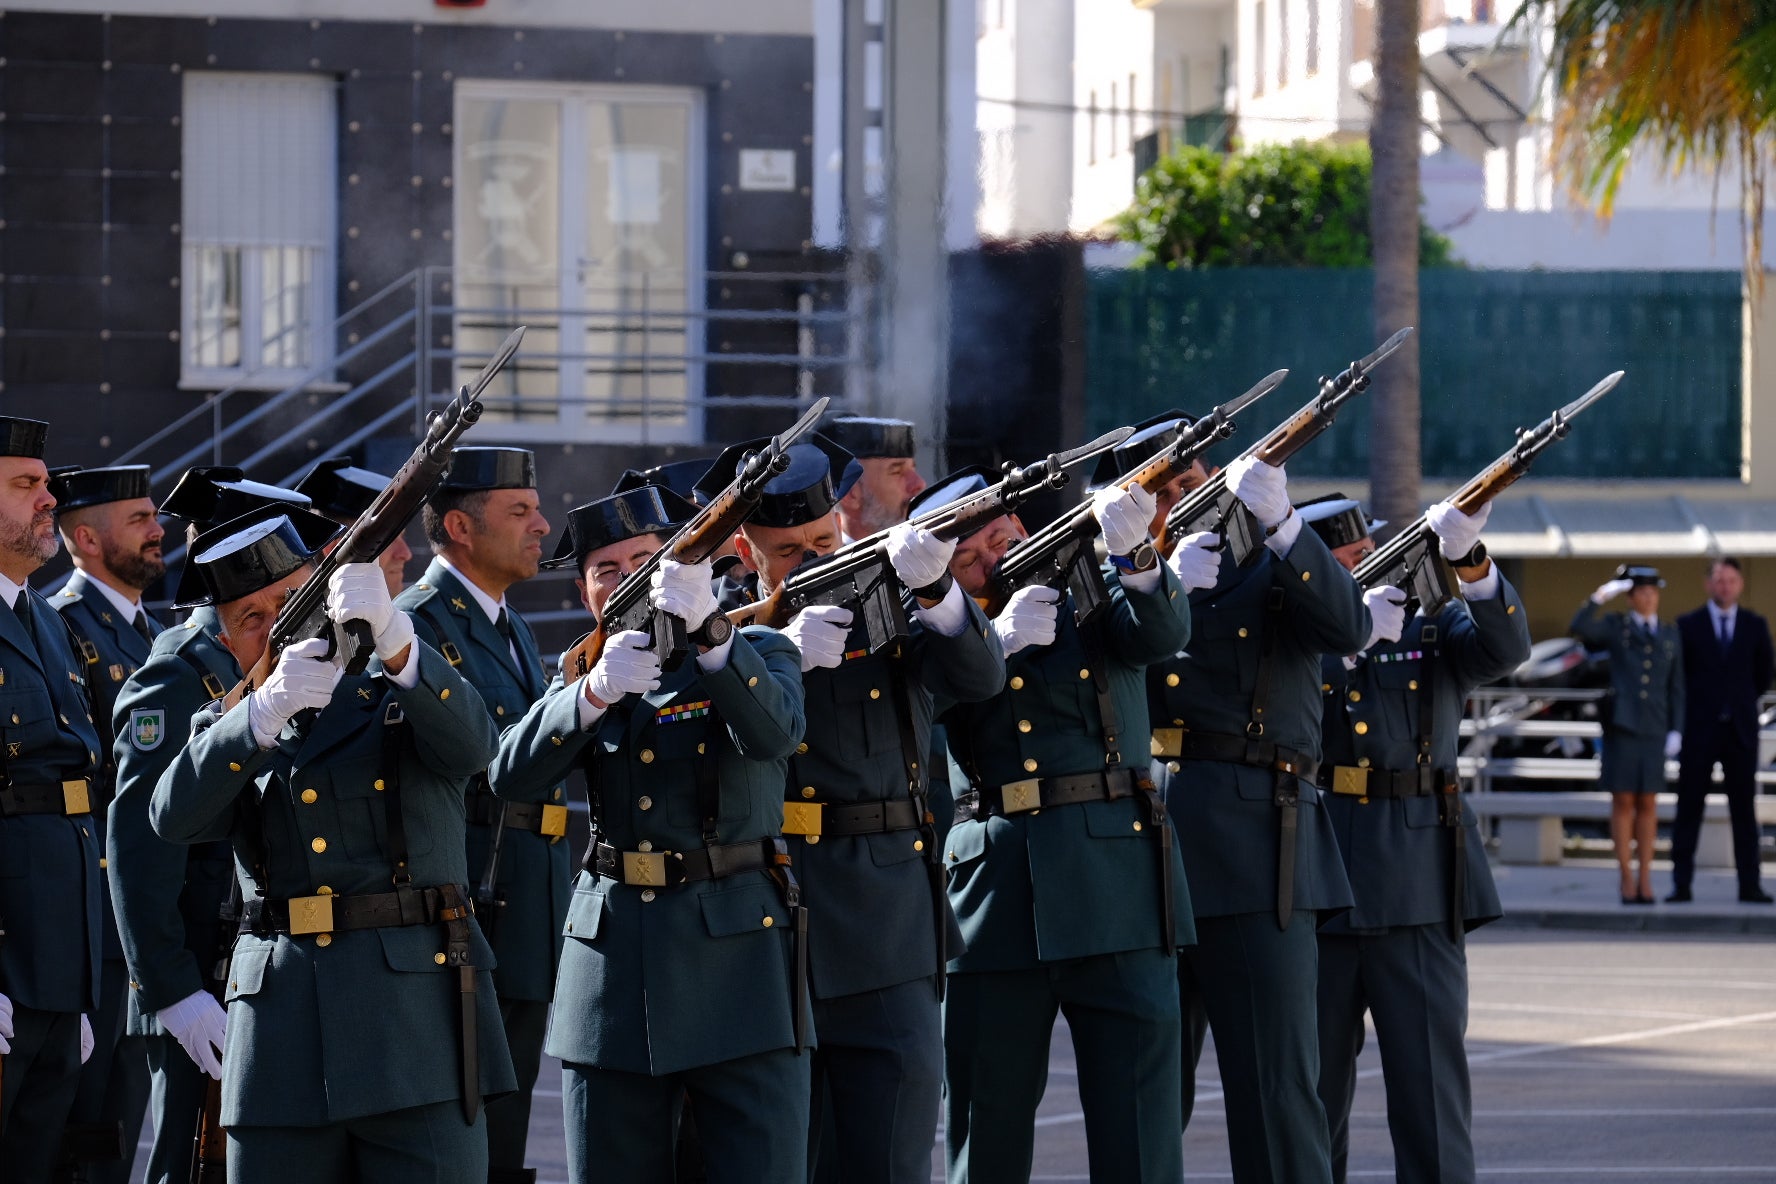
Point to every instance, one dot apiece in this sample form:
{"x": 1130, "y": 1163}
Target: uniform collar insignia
{"x": 105, "y": 617}
{"x": 456, "y": 602}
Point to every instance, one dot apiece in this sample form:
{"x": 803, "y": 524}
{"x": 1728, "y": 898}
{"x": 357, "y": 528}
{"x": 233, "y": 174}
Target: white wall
{"x": 1634, "y": 240}
{"x": 1024, "y": 79}
{"x": 1112, "y": 40}
{"x": 682, "y": 16}
{"x": 1281, "y": 106}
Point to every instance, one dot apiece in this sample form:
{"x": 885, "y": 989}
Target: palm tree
{"x": 1393, "y": 216}
{"x": 1693, "y": 80}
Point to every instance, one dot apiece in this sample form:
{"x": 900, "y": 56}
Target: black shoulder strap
{"x": 211, "y": 684}
{"x": 394, "y": 736}
{"x": 916, "y": 774}
{"x": 1273, "y": 621}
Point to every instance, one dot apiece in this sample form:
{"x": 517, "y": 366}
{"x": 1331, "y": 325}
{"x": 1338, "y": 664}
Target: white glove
{"x": 5, "y": 1024}
{"x": 304, "y": 678}
{"x": 628, "y": 666}
{"x": 359, "y": 592}
{"x": 819, "y": 632}
{"x": 1197, "y": 560}
{"x": 1673, "y": 745}
{"x": 199, "y": 1024}
{"x": 1610, "y": 589}
{"x": 1030, "y": 618}
{"x": 685, "y": 590}
{"x": 1125, "y": 515}
{"x": 919, "y": 557}
{"x": 1458, "y": 531}
{"x": 1264, "y": 488}
{"x": 86, "y": 1040}
{"x": 1387, "y": 613}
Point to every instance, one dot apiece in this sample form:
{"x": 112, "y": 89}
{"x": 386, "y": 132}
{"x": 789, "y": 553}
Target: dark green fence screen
{"x": 1499, "y": 350}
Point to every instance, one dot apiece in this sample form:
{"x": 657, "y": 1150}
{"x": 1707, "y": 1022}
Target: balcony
{"x": 1475, "y": 75}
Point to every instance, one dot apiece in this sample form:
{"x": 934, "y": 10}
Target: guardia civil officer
{"x": 1236, "y": 741}
{"x": 486, "y": 528}
{"x": 342, "y": 491}
{"x": 1061, "y": 872}
{"x": 1390, "y": 720}
{"x": 1645, "y": 712}
{"x": 680, "y": 970}
{"x": 170, "y": 897}
{"x": 858, "y": 814}
{"x": 108, "y": 523}
{"x": 889, "y": 478}
{"x": 50, "y": 911}
{"x": 363, "y": 1030}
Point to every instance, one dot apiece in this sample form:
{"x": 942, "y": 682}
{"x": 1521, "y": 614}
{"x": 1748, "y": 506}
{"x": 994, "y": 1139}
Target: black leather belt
{"x": 484, "y": 810}
{"x": 1357, "y": 781}
{"x": 70, "y": 797}
{"x": 1216, "y": 746}
{"x": 814, "y": 819}
{"x": 301, "y": 915}
{"x": 1018, "y": 797}
{"x": 668, "y": 869}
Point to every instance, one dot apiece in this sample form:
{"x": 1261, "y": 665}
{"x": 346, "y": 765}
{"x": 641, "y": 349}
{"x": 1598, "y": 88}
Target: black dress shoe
{"x": 1644, "y": 898}
{"x": 1755, "y": 896}
{"x": 1678, "y": 896}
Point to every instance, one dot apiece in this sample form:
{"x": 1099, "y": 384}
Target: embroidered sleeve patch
{"x": 147, "y": 728}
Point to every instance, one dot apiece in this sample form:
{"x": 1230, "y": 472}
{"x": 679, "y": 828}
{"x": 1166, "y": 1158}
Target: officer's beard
{"x": 138, "y": 568}
{"x": 30, "y": 541}
{"x": 874, "y": 515}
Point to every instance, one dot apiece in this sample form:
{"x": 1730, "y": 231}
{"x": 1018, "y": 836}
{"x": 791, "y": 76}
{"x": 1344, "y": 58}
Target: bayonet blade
{"x": 800, "y": 427}
{"x": 507, "y": 348}
{"x": 1384, "y": 349}
{"x": 1265, "y": 385}
{"x": 1104, "y": 443}
{"x": 1591, "y": 396}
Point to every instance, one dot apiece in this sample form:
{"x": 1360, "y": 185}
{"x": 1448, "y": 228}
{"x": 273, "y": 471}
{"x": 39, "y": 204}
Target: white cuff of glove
{"x": 949, "y": 616}
{"x": 1484, "y": 588}
{"x": 397, "y": 636}
{"x": 589, "y": 713}
{"x": 1282, "y": 540}
{"x": 1141, "y": 581}
{"x": 86, "y": 1040}
{"x": 265, "y": 730}
{"x": 716, "y": 658}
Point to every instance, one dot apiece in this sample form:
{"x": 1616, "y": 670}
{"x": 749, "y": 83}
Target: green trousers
{"x": 508, "y": 1119}
{"x": 41, "y": 1074}
{"x": 1122, "y": 1010}
{"x": 1413, "y": 981}
{"x": 419, "y": 1145}
{"x": 878, "y": 1078}
{"x": 1255, "y": 984}
{"x": 113, "y": 1088}
{"x": 175, "y": 1098}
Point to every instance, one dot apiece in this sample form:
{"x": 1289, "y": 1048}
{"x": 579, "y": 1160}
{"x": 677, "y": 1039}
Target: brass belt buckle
{"x": 554, "y": 821}
{"x": 801, "y": 818}
{"x": 1350, "y": 780}
{"x": 75, "y": 799}
{"x": 1015, "y": 797}
{"x": 310, "y": 914}
{"x": 644, "y": 867}
{"x": 1167, "y": 742}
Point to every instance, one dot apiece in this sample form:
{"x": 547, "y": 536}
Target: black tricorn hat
{"x": 819, "y": 474}
{"x": 254, "y": 551}
{"x": 866, "y": 436}
{"x": 952, "y": 488}
{"x": 475, "y": 469}
{"x": 680, "y": 476}
{"x": 1338, "y": 520}
{"x": 22, "y": 437}
{"x": 627, "y": 514}
{"x": 210, "y": 494}
{"x": 74, "y": 487}
{"x": 1150, "y": 435}
{"x": 1642, "y": 575}
{"x": 340, "y": 490}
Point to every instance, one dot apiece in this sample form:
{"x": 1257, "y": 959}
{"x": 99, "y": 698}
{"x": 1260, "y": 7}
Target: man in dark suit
{"x": 1729, "y": 662}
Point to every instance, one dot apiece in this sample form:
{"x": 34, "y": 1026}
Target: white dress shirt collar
{"x": 129, "y": 608}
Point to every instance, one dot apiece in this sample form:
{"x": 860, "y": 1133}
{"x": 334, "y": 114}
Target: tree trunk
{"x": 1393, "y": 217}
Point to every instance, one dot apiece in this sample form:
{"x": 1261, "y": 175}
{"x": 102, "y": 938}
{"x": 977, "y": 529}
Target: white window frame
{"x": 572, "y": 423}
{"x": 318, "y": 316}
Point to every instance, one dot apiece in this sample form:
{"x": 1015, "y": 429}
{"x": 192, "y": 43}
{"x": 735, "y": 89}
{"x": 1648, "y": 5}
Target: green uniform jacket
{"x": 49, "y": 863}
{"x": 1076, "y": 880}
{"x": 1397, "y": 852}
{"x": 167, "y": 895}
{"x": 1646, "y": 673}
{"x": 534, "y": 876}
{"x": 112, "y": 650}
{"x": 368, "y": 1022}
{"x": 659, "y": 981}
{"x": 1224, "y": 812}
{"x": 869, "y": 896}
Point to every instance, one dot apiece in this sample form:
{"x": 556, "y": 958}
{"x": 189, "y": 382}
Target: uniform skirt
{"x": 1632, "y": 764}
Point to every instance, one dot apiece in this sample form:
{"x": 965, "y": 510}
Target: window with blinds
{"x": 258, "y": 224}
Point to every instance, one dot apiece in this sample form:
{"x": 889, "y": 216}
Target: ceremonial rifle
{"x": 1212, "y": 506}
{"x": 860, "y": 573}
{"x": 1413, "y": 559}
{"x": 209, "y": 1151}
{"x": 304, "y": 614}
{"x": 630, "y": 607}
{"x": 1061, "y": 554}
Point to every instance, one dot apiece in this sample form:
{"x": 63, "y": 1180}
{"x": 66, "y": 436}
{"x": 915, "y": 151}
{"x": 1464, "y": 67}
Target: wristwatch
{"x": 713, "y": 632}
{"x": 1473, "y": 558}
{"x": 937, "y": 589}
{"x": 1142, "y": 558}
